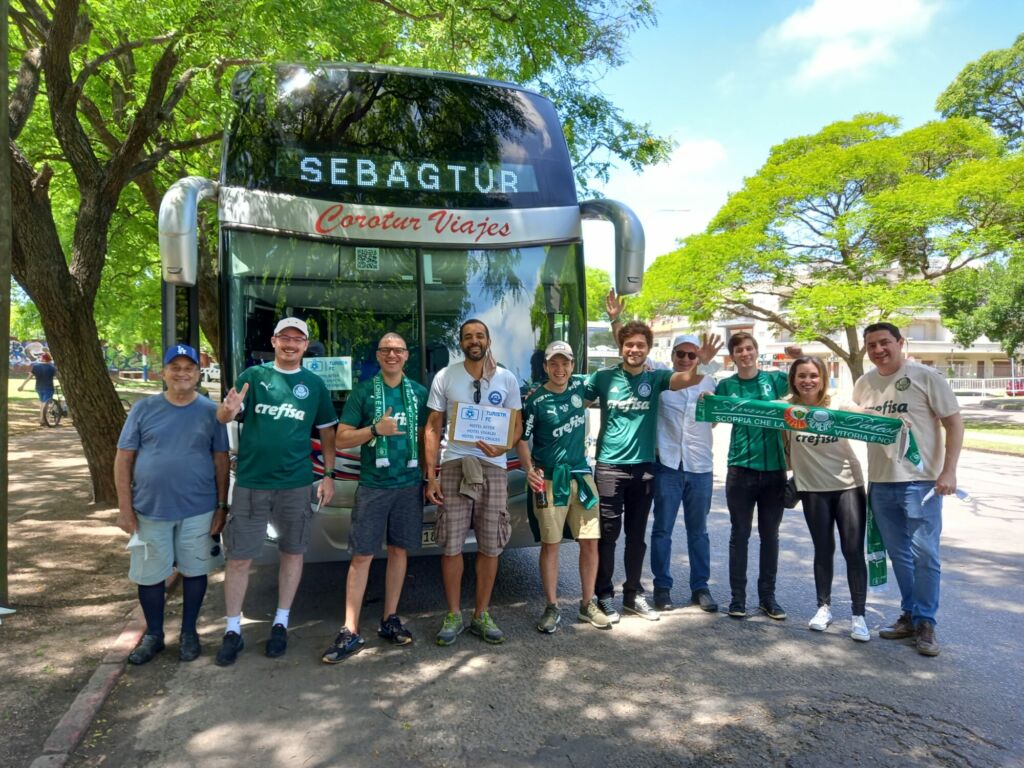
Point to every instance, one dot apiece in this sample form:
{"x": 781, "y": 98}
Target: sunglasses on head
{"x": 684, "y": 353}
{"x": 476, "y": 391}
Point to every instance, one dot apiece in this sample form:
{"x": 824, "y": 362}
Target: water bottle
{"x": 540, "y": 498}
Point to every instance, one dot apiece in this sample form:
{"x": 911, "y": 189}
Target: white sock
{"x": 281, "y": 617}
{"x": 235, "y": 624}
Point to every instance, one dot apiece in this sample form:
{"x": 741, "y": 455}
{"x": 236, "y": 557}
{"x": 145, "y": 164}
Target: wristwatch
{"x": 373, "y": 430}
{"x": 329, "y": 473}
{"x": 222, "y": 505}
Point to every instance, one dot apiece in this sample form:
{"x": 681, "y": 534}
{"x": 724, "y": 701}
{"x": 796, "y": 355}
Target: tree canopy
{"x": 114, "y": 101}
{"x": 599, "y": 282}
{"x": 855, "y": 223}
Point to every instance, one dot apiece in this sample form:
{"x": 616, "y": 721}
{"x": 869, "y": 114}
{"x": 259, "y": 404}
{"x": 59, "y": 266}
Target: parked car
{"x": 1015, "y": 388}
{"x": 211, "y": 372}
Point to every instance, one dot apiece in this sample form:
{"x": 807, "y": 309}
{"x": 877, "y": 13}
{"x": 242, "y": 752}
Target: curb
{"x": 71, "y": 729}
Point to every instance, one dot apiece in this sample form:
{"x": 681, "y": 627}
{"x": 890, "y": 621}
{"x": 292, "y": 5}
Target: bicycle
{"x": 55, "y": 410}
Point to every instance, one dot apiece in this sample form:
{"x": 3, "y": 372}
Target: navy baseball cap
{"x": 180, "y": 350}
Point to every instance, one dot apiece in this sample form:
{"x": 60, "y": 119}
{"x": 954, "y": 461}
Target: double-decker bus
{"x": 373, "y": 199}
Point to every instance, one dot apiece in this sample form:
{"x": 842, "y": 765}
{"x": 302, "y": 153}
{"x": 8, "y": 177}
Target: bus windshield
{"x": 351, "y": 295}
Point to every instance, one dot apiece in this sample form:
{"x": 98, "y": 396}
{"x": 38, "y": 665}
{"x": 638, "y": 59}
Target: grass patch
{"x": 991, "y": 428}
{"x": 993, "y": 447}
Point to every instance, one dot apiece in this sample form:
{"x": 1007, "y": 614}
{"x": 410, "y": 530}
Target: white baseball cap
{"x": 686, "y": 338}
{"x": 292, "y": 322}
{"x": 557, "y": 348}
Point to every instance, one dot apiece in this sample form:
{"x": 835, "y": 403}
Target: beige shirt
{"x": 823, "y": 462}
{"x": 917, "y": 392}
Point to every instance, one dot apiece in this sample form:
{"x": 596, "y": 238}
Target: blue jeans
{"x": 693, "y": 489}
{"x": 910, "y": 531}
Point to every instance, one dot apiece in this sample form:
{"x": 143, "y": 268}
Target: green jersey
{"x": 756, "y": 447}
{"x": 281, "y": 409}
{"x": 629, "y": 413}
{"x": 557, "y": 424}
{"x": 359, "y": 412}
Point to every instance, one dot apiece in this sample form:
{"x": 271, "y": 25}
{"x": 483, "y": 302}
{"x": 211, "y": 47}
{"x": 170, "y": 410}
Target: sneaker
{"x": 821, "y": 619}
{"x": 703, "y": 598}
{"x": 926, "y": 643}
{"x": 451, "y": 629}
{"x": 859, "y": 629}
{"x": 277, "y": 643}
{"x": 772, "y": 609}
{"x": 902, "y": 628}
{"x": 640, "y": 607}
{"x": 662, "y": 599}
{"x": 483, "y": 626}
{"x": 550, "y": 620}
{"x": 148, "y": 647}
{"x": 737, "y": 609}
{"x": 346, "y": 644}
{"x": 607, "y": 606}
{"x": 189, "y": 647}
{"x": 393, "y": 630}
{"x": 231, "y": 646}
{"x": 590, "y": 611}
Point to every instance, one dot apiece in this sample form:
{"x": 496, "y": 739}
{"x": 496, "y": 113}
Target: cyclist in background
{"x": 44, "y": 372}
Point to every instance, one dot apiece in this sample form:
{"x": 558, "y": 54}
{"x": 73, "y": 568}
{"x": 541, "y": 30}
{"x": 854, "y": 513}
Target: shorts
{"x": 583, "y": 523}
{"x": 396, "y": 512}
{"x": 289, "y": 509}
{"x": 186, "y": 543}
{"x": 45, "y": 395}
{"x": 488, "y": 517}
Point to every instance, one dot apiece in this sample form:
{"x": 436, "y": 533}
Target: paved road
{"x": 693, "y": 689}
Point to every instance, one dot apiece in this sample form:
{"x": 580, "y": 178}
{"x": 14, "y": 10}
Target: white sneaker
{"x": 821, "y": 619}
{"x": 859, "y": 629}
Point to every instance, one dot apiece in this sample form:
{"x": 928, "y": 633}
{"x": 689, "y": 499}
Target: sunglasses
{"x": 476, "y": 391}
{"x": 684, "y": 353}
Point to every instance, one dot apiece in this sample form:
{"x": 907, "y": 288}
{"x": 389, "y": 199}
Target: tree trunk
{"x": 855, "y": 362}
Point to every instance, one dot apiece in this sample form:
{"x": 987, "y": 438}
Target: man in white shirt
{"x": 907, "y": 500}
{"x": 472, "y": 488}
{"x": 684, "y": 474}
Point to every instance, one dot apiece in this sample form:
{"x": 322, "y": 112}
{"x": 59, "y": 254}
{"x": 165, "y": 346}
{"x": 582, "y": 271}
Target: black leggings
{"x": 847, "y": 511}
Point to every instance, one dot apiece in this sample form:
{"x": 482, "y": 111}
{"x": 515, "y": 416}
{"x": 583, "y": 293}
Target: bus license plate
{"x": 429, "y": 537}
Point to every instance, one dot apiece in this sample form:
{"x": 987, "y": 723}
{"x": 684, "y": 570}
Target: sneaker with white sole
{"x": 859, "y": 629}
{"x": 639, "y": 606}
{"x": 607, "y": 606}
{"x": 549, "y": 622}
{"x": 821, "y": 619}
{"x": 592, "y": 613}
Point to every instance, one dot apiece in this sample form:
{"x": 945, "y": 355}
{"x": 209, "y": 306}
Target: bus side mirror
{"x": 629, "y": 242}
{"x": 178, "y": 229}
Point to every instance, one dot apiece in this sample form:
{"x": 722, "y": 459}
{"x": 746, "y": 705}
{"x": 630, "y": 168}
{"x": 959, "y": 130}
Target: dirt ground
{"x": 68, "y": 583}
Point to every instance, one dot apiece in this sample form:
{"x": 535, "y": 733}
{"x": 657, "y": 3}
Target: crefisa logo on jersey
{"x": 495, "y": 398}
{"x": 644, "y": 390}
{"x": 301, "y": 391}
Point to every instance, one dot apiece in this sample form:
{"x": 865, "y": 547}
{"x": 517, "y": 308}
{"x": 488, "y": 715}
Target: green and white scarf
{"x": 411, "y": 408}
{"x": 773, "y": 414}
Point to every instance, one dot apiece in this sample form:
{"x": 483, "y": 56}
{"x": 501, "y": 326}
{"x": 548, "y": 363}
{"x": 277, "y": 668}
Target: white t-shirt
{"x": 681, "y": 438}
{"x": 823, "y": 462}
{"x": 453, "y": 385}
{"x": 919, "y": 393}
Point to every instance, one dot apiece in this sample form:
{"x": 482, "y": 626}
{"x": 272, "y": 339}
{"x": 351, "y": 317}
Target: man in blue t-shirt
{"x": 171, "y": 473}
{"x": 44, "y": 372}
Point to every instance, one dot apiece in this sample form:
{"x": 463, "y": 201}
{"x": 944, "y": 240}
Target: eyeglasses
{"x": 684, "y": 353}
{"x": 476, "y": 391}
{"x": 388, "y": 351}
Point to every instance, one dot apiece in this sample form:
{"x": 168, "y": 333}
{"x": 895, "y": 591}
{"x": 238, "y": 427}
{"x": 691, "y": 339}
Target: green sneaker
{"x": 483, "y": 626}
{"x": 550, "y": 620}
{"x": 451, "y": 629}
{"x": 592, "y": 613}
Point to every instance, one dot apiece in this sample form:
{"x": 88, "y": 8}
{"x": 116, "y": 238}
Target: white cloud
{"x": 845, "y": 37}
{"x": 672, "y": 200}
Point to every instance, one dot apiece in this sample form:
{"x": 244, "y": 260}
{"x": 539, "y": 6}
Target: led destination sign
{"x": 442, "y": 176}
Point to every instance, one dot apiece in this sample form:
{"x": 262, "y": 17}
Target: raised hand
{"x": 233, "y": 400}
{"x": 387, "y": 425}
{"x": 614, "y": 305}
{"x": 711, "y": 343}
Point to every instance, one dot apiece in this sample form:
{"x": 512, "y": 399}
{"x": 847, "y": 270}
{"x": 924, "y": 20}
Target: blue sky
{"x": 729, "y": 80}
